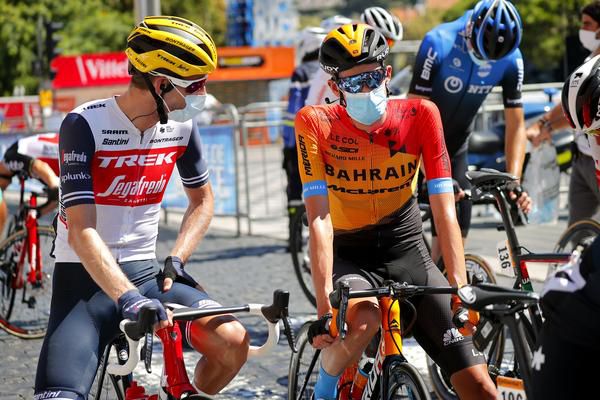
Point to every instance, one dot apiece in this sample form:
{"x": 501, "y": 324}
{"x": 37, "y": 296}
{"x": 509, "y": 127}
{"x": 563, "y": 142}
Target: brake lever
{"x": 289, "y": 333}
{"x": 341, "y": 322}
{"x": 146, "y": 352}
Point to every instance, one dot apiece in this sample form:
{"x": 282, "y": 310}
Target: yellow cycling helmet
{"x": 171, "y": 46}
{"x": 351, "y": 45}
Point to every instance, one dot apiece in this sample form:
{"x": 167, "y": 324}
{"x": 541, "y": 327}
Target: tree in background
{"x": 90, "y": 26}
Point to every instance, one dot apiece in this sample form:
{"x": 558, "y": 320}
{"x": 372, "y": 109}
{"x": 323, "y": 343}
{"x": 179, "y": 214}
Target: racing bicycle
{"x": 26, "y": 269}
{"x": 114, "y": 379}
{"x": 502, "y": 360}
{"x": 391, "y": 376}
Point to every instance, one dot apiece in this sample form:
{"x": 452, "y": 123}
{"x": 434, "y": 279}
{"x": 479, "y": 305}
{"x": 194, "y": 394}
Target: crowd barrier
{"x": 242, "y": 147}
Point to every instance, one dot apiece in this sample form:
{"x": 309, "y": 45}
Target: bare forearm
{"x": 516, "y": 140}
{"x": 193, "y": 228}
{"x": 321, "y": 258}
{"x": 451, "y": 244}
{"x": 556, "y": 118}
{"x": 100, "y": 263}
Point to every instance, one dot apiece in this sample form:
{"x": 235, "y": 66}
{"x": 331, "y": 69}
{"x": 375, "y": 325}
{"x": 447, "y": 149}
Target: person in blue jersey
{"x": 307, "y": 51}
{"x": 457, "y": 66}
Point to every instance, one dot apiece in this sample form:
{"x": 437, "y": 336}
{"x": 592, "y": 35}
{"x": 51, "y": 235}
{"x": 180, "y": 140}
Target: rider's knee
{"x": 366, "y": 320}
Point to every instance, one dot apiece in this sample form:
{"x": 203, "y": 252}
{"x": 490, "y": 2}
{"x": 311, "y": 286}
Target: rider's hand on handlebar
{"x": 174, "y": 272}
{"x": 465, "y": 320}
{"x": 318, "y": 332}
{"x": 131, "y": 302}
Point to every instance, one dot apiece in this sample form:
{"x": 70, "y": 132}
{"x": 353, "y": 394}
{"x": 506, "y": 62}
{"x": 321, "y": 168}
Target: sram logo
{"x": 133, "y": 160}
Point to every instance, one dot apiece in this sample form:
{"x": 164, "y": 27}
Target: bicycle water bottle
{"x": 361, "y": 376}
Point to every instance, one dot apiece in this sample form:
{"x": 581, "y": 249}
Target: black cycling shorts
{"x": 16, "y": 161}
{"x": 410, "y": 262}
{"x": 84, "y": 320}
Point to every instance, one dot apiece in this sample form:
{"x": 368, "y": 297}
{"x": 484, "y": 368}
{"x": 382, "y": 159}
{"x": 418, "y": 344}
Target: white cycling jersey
{"x": 319, "y": 89}
{"x": 105, "y": 160}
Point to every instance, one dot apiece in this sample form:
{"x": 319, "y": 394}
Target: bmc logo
{"x": 428, "y": 64}
{"x": 138, "y": 159}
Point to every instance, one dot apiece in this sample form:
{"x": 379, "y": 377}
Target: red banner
{"x": 90, "y": 70}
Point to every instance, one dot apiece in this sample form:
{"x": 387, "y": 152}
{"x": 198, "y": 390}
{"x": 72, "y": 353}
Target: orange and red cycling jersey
{"x": 370, "y": 177}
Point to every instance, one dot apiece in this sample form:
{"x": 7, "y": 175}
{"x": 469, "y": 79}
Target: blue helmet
{"x": 494, "y": 29}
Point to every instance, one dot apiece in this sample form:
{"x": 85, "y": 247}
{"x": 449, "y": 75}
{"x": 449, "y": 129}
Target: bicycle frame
{"x": 31, "y": 249}
{"x": 390, "y": 343}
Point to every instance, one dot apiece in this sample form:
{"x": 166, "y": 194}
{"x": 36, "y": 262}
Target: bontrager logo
{"x": 452, "y": 336}
{"x": 115, "y": 131}
{"x": 166, "y": 139}
{"x": 74, "y": 157}
{"x": 137, "y": 159}
{"x": 122, "y": 188}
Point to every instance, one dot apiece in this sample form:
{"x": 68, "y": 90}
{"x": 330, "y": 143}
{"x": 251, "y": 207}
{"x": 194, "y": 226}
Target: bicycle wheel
{"x": 405, "y": 382}
{"x": 475, "y": 266}
{"x": 299, "y": 364}
{"x": 575, "y": 234}
{"x": 24, "y": 312}
{"x": 106, "y": 386}
{"x": 299, "y": 248}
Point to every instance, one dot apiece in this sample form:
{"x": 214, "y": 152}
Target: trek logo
{"x": 304, "y": 153}
{"x": 114, "y": 142}
{"x": 115, "y": 131}
{"x": 372, "y": 174}
{"x": 74, "y": 158}
{"x": 477, "y": 89}
{"x": 101, "y": 105}
{"x": 137, "y": 159}
{"x": 428, "y": 64}
{"x": 122, "y": 188}
{"x": 74, "y": 177}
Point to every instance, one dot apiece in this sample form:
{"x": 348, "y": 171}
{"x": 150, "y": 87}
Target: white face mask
{"x": 194, "y": 104}
{"x": 588, "y": 40}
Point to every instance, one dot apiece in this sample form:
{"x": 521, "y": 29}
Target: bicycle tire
{"x": 574, "y": 235}
{"x": 300, "y": 251}
{"x": 106, "y": 386}
{"x": 299, "y": 363}
{"x": 405, "y": 382}
{"x": 26, "y": 318}
{"x": 440, "y": 381}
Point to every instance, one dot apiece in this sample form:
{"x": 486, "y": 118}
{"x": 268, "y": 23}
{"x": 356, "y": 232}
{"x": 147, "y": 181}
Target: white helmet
{"x": 389, "y": 25}
{"x": 336, "y": 21}
{"x": 309, "y": 41}
{"x": 581, "y": 97}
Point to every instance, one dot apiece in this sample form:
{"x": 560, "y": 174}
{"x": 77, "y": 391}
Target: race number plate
{"x": 510, "y": 388}
{"x": 504, "y": 254}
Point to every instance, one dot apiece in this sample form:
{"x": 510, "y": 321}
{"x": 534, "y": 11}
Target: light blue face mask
{"x": 194, "y": 104}
{"x": 367, "y": 108}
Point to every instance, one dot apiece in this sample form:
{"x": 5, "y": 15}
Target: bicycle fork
{"x": 174, "y": 376}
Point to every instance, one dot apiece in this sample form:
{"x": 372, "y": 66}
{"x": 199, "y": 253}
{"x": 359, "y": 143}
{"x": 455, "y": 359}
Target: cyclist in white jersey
{"x": 116, "y": 157}
{"x": 385, "y": 22}
{"x": 37, "y": 157}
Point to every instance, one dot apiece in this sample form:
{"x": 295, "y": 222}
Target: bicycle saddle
{"x": 477, "y": 297}
{"x": 489, "y": 177}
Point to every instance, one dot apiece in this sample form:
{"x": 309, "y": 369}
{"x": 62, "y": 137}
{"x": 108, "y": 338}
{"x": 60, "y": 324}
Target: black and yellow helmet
{"x": 171, "y": 46}
{"x": 351, "y": 45}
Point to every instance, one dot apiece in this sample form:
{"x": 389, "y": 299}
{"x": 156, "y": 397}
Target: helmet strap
{"x": 160, "y": 104}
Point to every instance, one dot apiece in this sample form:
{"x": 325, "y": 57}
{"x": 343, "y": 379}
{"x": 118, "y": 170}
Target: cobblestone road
{"x": 237, "y": 271}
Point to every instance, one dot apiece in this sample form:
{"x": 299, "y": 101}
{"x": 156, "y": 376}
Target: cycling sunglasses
{"x": 354, "y": 83}
{"x": 189, "y": 87}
